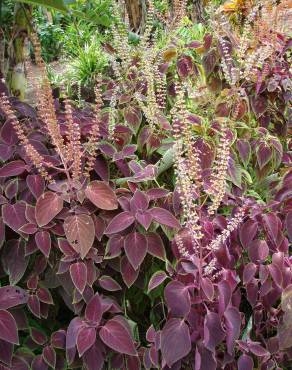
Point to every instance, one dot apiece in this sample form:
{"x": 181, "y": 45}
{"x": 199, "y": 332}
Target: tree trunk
{"x": 136, "y": 10}
{"x": 198, "y": 12}
{"x": 18, "y": 51}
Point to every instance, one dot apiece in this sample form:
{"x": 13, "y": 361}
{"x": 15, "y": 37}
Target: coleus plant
{"x": 98, "y": 266}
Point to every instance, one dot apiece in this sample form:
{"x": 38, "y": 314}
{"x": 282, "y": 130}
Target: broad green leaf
{"x": 59, "y": 5}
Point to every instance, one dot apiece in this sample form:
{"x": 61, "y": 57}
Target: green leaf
{"x": 59, "y": 5}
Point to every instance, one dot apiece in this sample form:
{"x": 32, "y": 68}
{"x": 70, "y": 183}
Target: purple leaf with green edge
{"x": 48, "y": 206}
{"x": 133, "y": 116}
{"x": 80, "y": 233}
{"x": 85, "y": 339}
{"x": 101, "y": 195}
{"x": 13, "y": 168}
{"x": 135, "y": 246}
{"x": 58, "y": 339}
{"x": 245, "y": 362}
{"x": 164, "y": 217}
{"x": 177, "y": 298}
{"x": 247, "y": 232}
{"x": 49, "y": 356}
{"x": 28, "y": 229}
{"x": 119, "y": 223}
{"x": 156, "y": 246}
{"x": 259, "y": 104}
{"x": 156, "y": 279}
{"x": 43, "y": 241}
{"x": 114, "y": 246}
{"x": 8, "y": 134}
{"x": 213, "y": 331}
{"x": 258, "y": 251}
{"x": 14, "y": 260}
{"x": 232, "y": 323}
{"x": 175, "y": 341}
{"x": 71, "y": 338}
{"x": 244, "y": 150}
{"x": 144, "y": 218}
{"x": 264, "y": 154}
{"x": 38, "y": 336}
{"x": 129, "y": 274}
{"x": 6, "y": 152}
{"x": 8, "y": 327}
{"x": 156, "y": 193}
{"x": 108, "y": 283}
{"x": 11, "y": 296}
{"x": 6, "y": 352}
{"x": 99, "y": 225}
{"x": 34, "y": 306}
{"x": 208, "y": 288}
{"x": 44, "y": 296}
{"x": 117, "y": 337}
{"x": 93, "y": 311}
{"x": 185, "y": 66}
{"x": 36, "y": 185}
{"x": 139, "y": 202}
{"x": 78, "y": 273}
{"x": 234, "y": 172}
{"x": 209, "y": 62}
{"x": 38, "y": 363}
{"x": 94, "y": 358}
{"x": 14, "y": 215}
{"x": 107, "y": 149}
{"x": 65, "y": 247}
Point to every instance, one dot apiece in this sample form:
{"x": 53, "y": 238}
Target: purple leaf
{"x": 38, "y": 336}
{"x": 257, "y": 349}
{"x": 247, "y": 232}
{"x": 43, "y": 241}
{"x": 93, "y": 311}
{"x": 135, "y": 246}
{"x": 117, "y": 337}
{"x": 6, "y": 351}
{"x": 108, "y": 283}
{"x": 144, "y": 218}
{"x": 164, "y": 217}
{"x": 139, "y": 202}
{"x": 249, "y": 272}
{"x": 259, "y": 104}
{"x": 8, "y": 328}
{"x": 58, "y": 339}
{"x": 34, "y": 306}
{"x": 36, "y": 185}
{"x": 78, "y": 273}
{"x": 289, "y": 225}
{"x": 85, "y": 339}
{"x": 11, "y": 296}
{"x": 175, "y": 341}
{"x": 156, "y": 279}
{"x": 271, "y": 225}
{"x": 13, "y": 168}
{"x": 14, "y": 260}
{"x": 208, "y": 288}
{"x": 120, "y": 223}
{"x": 233, "y": 323}
{"x": 93, "y": 358}
{"x": 49, "y": 356}
{"x": 156, "y": 246}
{"x": 264, "y": 154}
{"x": 244, "y": 149}
{"x": 258, "y": 251}
{"x": 39, "y": 364}
{"x": 44, "y": 296}
{"x": 14, "y": 215}
{"x": 80, "y": 233}
{"x": 47, "y": 207}
{"x": 224, "y": 295}
{"x": 245, "y": 362}
{"x": 101, "y": 195}
{"x": 213, "y": 331}
{"x": 177, "y": 298}
{"x": 129, "y": 274}
{"x": 114, "y": 246}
